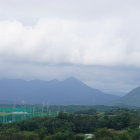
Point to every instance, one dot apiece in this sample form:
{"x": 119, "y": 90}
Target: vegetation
{"x": 116, "y": 124}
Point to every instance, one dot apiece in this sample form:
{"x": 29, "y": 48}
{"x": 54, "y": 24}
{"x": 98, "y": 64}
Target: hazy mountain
{"x": 69, "y": 91}
{"x": 119, "y": 93}
{"x": 130, "y": 99}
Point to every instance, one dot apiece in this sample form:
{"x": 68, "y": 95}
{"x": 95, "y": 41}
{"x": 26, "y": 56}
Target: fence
{"x": 12, "y": 114}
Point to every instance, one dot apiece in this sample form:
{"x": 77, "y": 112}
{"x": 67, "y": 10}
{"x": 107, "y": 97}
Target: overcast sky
{"x": 96, "y": 41}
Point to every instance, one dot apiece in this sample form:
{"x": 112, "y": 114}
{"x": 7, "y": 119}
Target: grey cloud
{"x": 107, "y": 79}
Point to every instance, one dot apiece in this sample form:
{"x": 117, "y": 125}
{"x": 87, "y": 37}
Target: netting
{"x": 12, "y": 114}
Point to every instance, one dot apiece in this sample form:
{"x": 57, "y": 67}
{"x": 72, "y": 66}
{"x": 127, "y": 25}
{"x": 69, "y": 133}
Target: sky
{"x": 96, "y": 41}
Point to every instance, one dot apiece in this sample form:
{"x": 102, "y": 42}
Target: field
{"x": 12, "y": 114}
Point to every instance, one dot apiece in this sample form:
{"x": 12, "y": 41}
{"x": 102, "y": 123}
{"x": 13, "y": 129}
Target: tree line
{"x": 118, "y": 124}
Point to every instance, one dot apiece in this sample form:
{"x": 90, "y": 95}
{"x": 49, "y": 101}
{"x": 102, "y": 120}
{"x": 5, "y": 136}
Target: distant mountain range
{"x": 67, "y": 92}
{"x": 130, "y": 99}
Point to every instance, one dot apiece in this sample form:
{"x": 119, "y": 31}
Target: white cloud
{"x": 57, "y": 41}
{"x": 73, "y": 32}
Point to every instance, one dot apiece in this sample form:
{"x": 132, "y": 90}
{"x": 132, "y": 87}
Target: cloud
{"x": 59, "y": 41}
{"x": 107, "y": 79}
{"x": 104, "y": 33}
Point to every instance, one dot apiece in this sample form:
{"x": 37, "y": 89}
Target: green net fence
{"x": 12, "y": 114}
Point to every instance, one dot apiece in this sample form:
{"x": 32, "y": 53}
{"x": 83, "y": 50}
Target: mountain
{"x": 69, "y": 91}
{"x": 130, "y": 99}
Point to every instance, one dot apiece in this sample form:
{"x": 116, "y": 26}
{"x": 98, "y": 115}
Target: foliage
{"x": 120, "y": 124}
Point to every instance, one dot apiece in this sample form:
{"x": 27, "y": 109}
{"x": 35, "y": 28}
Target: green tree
{"x": 104, "y": 134}
{"x": 124, "y": 136}
{"x": 61, "y": 136}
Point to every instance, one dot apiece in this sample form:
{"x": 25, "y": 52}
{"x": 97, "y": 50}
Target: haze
{"x": 96, "y": 41}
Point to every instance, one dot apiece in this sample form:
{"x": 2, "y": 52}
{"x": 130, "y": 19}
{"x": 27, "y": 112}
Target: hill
{"x": 69, "y": 91}
{"x": 130, "y": 99}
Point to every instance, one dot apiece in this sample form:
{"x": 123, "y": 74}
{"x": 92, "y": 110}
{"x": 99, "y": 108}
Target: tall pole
{"x": 13, "y": 119}
{"x": 42, "y": 109}
{"x": 3, "y": 120}
{"x": 33, "y": 111}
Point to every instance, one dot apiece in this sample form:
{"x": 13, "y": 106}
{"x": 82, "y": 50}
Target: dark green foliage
{"x": 88, "y": 112}
{"x": 79, "y": 108}
{"x": 10, "y": 134}
{"x": 104, "y": 134}
{"x": 73, "y": 126}
{"x": 134, "y": 133}
{"x": 124, "y": 136}
{"x": 80, "y": 137}
{"x": 81, "y": 123}
{"x": 61, "y": 136}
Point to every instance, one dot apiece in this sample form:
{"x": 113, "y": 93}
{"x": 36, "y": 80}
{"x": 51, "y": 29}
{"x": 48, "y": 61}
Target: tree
{"x": 61, "y": 136}
{"x": 104, "y": 134}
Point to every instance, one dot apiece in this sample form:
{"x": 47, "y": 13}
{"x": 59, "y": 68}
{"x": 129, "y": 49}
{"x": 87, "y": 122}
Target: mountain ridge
{"x": 68, "y": 91}
{"x": 132, "y": 98}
